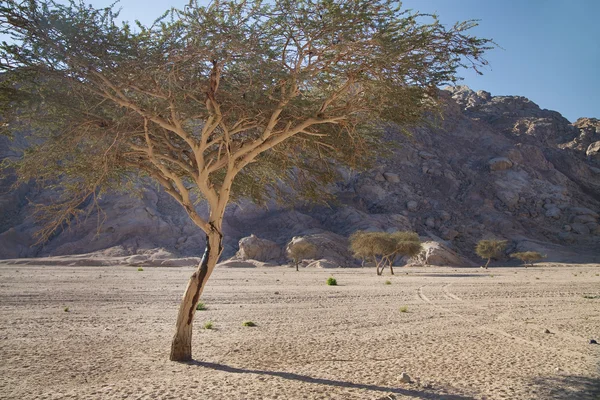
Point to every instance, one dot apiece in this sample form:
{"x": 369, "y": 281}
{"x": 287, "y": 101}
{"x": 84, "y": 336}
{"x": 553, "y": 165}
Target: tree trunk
{"x": 391, "y": 269}
{"x": 181, "y": 347}
{"x": 297, "y": 265}
{"x": 487, "y": 263}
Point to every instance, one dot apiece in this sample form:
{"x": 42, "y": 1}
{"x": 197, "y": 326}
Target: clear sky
{"x": 550, "y": 48}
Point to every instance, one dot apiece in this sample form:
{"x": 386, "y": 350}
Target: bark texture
{"x": 181, "y": 347}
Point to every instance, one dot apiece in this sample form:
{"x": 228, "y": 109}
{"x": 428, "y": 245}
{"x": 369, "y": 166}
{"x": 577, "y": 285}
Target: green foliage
{"x": 201, "y": 307}
{"x": 528, "y": 256}
{"x": 140, "y": 269}
{"x": 298, "y": 251}
{"x": 404, "y": 309}
{"x": 235, "y": 99}
{"x": 331, "y": 281}
{"x": 388, "y": 282}
{"x": 383, "y": 248}
{"x": 490, "y": 249}
{"x": 248, "y": 323}
{"x": 208, "y": 325}
{"x": 66, "y": 309}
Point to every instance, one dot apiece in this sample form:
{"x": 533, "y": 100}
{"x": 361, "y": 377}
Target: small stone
{"x": 547, "y": 331}
{"x": 276, "y": 292}
{"x": 404, "y": 377}
{"x": 592, "y": 341}
{"x": 391, "y": 177}
{"x": 379, "y": 177}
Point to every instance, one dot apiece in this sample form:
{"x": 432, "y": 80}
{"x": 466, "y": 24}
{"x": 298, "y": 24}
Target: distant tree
{"x": 235, "y": 99}
{"x": 528, "y": 257}
{"x": 383, "y": 248}
{"x": 490, "y": 249}
{"x": 299, "y": 251}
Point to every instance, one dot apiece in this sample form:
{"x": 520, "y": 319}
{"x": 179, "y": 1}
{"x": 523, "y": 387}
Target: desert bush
{"x": 248, "y": 323}
{"x": 299, "y": 251}
{"x": 528, "y": 257}
{"x": 404, "y": 309}
{"x": 208, "y": 325}
{"x": 201, "y": 306}
{"x": 331, "y": 281}
{"x": 490, "y": 249}
{"x": 383, "y": 248}
{"x": 388, "y": 282}
{"x": 140, "y": 269}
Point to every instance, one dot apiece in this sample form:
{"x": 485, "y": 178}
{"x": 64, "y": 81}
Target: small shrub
{"x": 140, "y": 269}
{"x": 248, "y": 323}
{"x": 66, "y": 309}
{"x": 331, "y": 281}
{"x": 590, "y": 296}
{"x": 404, "y": 309}
{"x": 388, "y": 282}
{"x": 208, "y": 325}
{"x": 200, "y": 307}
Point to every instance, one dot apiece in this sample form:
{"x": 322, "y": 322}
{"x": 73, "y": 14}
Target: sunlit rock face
{"x": 493, "y": 166}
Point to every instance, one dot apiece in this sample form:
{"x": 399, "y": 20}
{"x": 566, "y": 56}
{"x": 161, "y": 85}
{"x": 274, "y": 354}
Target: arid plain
{"x": 459, "y": 333}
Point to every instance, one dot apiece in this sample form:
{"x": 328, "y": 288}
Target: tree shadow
{"x": 569, "y": 387}
{"x": 330, "y": 382}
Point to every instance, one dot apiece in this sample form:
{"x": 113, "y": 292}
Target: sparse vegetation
{"x": 140, "y": 269}
{"x": 248, "y": 323}
{"x": 404, "y": 309}
{"x": 388, "y": 282}
{"x": 201, "y": 306}
{"x": 528, "y": 257}
{"x": 66, "y": 309}
{"x": 331, "y": 281}
{"x": 384, "y": 248}
{"x": 591, "y": 296}
{"x": 299, "y": 251}
{"x": 490, "y": 249}
{"x": 208, "y": 325}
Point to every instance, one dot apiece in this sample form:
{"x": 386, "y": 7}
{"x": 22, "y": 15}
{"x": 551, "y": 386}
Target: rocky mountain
{"x": 493, "y": 166}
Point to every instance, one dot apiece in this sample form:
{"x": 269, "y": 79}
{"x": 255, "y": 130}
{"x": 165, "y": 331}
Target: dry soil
{"x": 104, "y": 333}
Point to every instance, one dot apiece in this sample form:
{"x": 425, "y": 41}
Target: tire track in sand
{"x": 421, "y": 295}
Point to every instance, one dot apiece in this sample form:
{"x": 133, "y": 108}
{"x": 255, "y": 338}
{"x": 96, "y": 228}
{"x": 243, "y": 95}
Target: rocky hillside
{"x": 494, "y": 166}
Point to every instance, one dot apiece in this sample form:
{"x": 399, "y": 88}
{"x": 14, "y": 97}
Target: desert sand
{"x": 465, "y": 334}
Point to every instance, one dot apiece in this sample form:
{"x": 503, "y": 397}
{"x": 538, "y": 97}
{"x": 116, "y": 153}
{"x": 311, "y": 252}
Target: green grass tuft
{"x": 208, "y": 325}
{"x": 388, "y": 282}
{"x": 591, "y": 296}
{"x": 66, "y": 309}
{"x": 331, "y": 281}
{"x": 248, "y": 323}
{"x": 201, "y": 307}
{"x": 404, "y": 309}
{"x": 140, "y": 269}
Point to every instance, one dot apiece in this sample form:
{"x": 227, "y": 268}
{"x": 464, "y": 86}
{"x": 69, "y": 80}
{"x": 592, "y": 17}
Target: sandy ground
{"x": 466, "y": 334}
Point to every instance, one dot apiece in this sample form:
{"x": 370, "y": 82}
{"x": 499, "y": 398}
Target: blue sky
{"x": 550, "y": 48}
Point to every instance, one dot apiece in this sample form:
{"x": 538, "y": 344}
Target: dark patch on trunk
{"x": 201, "y": 275}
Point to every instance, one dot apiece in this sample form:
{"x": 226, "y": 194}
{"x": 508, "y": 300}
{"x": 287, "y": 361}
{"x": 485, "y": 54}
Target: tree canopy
{"x": 383, "y": 247}
{"x": 234, "y": 99}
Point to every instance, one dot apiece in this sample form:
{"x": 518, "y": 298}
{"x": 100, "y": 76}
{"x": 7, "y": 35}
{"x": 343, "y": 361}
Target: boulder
{"x": 583, "y": 211}
{"x": 323, "y": 264}
{"x": 327, "y": 246}
{"x": 412, "y": 205}
{"x": 500, "y": 164}
{"x": 254, "y": 248}
{"x": 593, "y": 150}
{"x": 553, "y": 212}
{"x": 391, "y": 177}
{"x": 580, "y": 228}
{"x": 436, "y": 253}
{"x": 584, "y": 219}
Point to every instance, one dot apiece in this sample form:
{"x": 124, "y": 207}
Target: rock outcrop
{"x": 493, "y": 166}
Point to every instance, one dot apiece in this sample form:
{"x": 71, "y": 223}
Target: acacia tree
{"x": 238, "y": 98}
{"x": 528, "y": 257}
{"x": 300, "y": 250}
{"x": 490, "y": 249}
{"x": 383, "y": 248}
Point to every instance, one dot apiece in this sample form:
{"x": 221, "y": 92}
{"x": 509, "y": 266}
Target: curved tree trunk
{"x": 181, "y": 347}
{"x": 487, "y": 263}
